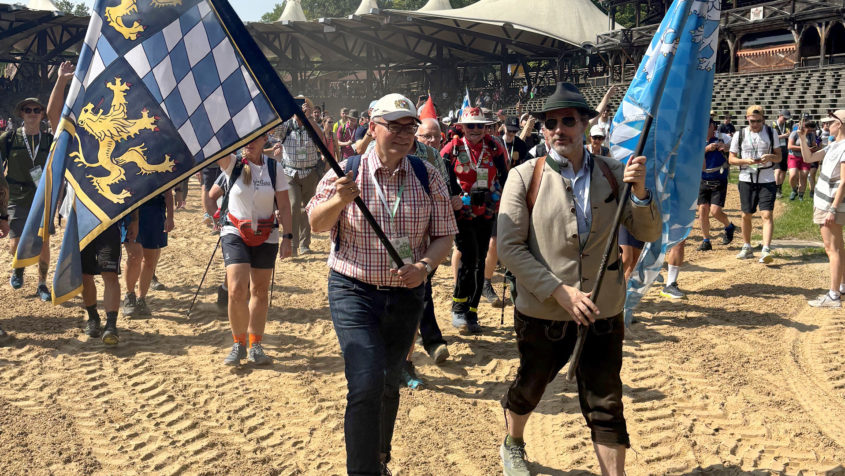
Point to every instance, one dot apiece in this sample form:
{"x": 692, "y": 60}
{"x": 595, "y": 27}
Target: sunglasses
{"x": 31, "y": 110}
{"x": 551, "y": 124}
{"x": 397, "y": 129}
{"x": 598, "y": 137}
{"x": 474, "y": 126}
{"x": 755, "y": 121}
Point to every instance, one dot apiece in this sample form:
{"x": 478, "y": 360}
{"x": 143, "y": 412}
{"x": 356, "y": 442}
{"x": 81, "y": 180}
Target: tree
{"x": 77, "y": 9}
{"x": 341, "y": 8}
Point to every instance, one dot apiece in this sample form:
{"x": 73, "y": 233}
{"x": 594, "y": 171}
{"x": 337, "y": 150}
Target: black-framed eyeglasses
{"x": 551, "y": 124}
{"x": 397, "y": 129}
{"x": 473, "y": 126}
{"x": 32, "y": 110}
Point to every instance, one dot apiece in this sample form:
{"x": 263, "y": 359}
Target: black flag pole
{"x": 284, "y": 104}
{"x": 611, "y": 240}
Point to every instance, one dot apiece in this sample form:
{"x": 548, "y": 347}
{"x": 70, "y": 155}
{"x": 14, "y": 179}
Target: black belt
{"x": 22, "y": 184}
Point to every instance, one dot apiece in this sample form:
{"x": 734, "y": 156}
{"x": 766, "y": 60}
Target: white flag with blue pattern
{"x": 674, "y": 85}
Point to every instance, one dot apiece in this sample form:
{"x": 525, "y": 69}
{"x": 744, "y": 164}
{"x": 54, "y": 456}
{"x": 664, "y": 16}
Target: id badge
{"x": 402, "y": 245}
{"x": 35, "y": 173}
{"x": 481, "y": 178}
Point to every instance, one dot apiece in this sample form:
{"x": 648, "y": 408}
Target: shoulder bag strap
{"x": 534, "y": 184}
{"x": 605, "y": 169}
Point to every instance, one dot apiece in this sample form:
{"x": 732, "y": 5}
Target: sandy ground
{"x": 741, "y": 378}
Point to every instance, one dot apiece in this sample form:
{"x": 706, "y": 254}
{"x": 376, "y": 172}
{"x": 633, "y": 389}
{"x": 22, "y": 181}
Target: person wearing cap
{"x": 363, "y": 126}
{"x": 829, "y": 207}
{"x": 726, "y": 127}
{"x": 300, "y": 157}
{"x": 603, "y": 119}
{"x": 375, "y": 307}
{"x": 24, "y": 151}
{"x": 781, "y": 128}
{"x": 756, "y": 151}
{"x": 798, "y": 169}
{"x": 554, "y": 251}
{"x": 597, "y": 138}
{"x": 479, "y": 163}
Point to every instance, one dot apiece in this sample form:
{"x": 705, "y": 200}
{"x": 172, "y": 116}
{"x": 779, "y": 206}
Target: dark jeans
{"x": 545, "y": 347}
{"x": 472, "y": 240}
{"x": 429, "y": 330}
{"x": 375, "y": 327}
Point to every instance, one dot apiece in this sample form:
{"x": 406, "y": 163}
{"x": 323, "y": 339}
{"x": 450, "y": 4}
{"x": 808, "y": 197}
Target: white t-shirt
{"x": 829, "y": 177}
{"x": 255, "y": 202}
{"x": 754, "y": 146}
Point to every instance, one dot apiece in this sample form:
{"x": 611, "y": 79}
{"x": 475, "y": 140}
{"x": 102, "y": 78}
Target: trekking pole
{"x": 594, "y": 295}
{"x": 504, "y": 299}
{"x": 202, "y": 280}
{"x": 272, "y": 285}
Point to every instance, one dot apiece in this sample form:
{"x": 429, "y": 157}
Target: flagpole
{"x": 281, "y": 100}
{"x": 358, "y": 201}
{"x": 608, "y": 247}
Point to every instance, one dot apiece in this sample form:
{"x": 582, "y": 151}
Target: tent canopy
{"x": 436, "y": 5}
{"x": 292, "y": 12}
{"x": 574, "y": 21}
{"x": 46, "y": 5}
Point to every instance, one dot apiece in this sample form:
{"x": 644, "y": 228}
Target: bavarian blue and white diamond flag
{"x": 162, "y": 88}
{"x": 674, "y": 85}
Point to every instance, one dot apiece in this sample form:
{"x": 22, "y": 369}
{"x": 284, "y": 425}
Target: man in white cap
{"x": 597, "y": 136}
{"x": 375, "y": 307}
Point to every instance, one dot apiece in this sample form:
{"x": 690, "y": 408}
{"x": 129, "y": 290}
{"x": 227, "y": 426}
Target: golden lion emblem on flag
{"x": 115, "y": 14}
{"x": 109, "y": 129}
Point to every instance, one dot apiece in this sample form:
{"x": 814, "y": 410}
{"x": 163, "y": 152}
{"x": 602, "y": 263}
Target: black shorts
{"x": 209, "y": 176}
{"x": 627, "y": 239}
{"x": 784, "y": 154}
{"x": 18, "y": 214}
{"x": 495, "y": 225}
{"x": 103, "y": 254}
{"x": 712, "y": 192}
{"x": 545, "y": 347}
{"x": 235, "y": 251}
{"x": 754, "y": 195}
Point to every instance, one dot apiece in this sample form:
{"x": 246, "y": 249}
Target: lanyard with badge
{"x": 35, "y": 171}
{"x": 402, "y": 244}
{"x": 481, "y": 173}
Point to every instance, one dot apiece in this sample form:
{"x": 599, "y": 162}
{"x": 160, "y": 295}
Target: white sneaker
{"x": 745, "y": 253}
{"x": 825, "y": 301}
{"x": 766, "y": 256}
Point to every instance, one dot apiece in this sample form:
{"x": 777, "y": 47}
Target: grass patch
{"x": 796, "y": 221}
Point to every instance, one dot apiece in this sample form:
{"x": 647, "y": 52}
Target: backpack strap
{"x": 534, "y": 184}
{"x": 271, "y": 168}
{"x": 353, "y": 165}
{"x": 605, "y": 169}
{"x": 224, "y": 205}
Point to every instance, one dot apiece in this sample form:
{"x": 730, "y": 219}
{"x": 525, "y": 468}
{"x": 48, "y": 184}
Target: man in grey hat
{"x": 556, "y": 216}
{"x": 25, "y": 152}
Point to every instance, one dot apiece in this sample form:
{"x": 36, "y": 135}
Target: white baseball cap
{"x": 597, "y": 131}
{"x": 394, "y": 106}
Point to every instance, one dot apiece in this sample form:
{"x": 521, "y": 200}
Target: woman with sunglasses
{"x": 479, "y": 164}
{"x": 829, "y": 206}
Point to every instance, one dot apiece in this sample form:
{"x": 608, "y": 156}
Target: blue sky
{"x": 249, "y": 10}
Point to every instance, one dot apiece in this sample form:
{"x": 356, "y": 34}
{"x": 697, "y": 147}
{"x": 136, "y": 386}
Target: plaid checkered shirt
{"x": 419, "y": 217}
{"x": 300, "y": 156}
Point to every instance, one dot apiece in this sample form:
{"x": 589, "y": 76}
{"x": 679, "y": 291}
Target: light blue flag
{"x": 674, "y": 85}
{"x": 162, "y": 89}
{"x": 467, "y": 103}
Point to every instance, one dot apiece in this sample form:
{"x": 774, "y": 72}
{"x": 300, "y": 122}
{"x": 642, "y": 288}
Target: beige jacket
{"x": 542, "y": 249}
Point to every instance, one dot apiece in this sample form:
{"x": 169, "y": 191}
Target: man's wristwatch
{"x": 288, "y": 236}
{"x": 427, "y": 267}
